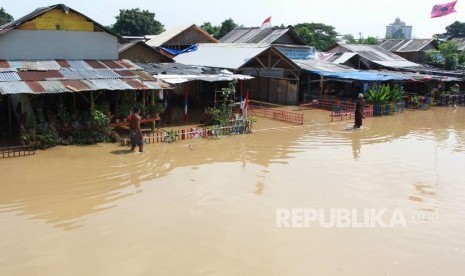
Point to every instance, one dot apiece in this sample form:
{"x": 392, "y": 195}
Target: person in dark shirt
{"x": 135, "y": 134}
{"x": 359, "y": 106}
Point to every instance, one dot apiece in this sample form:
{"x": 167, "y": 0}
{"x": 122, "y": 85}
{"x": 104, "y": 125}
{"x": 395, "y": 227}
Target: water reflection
{"x": 356, "y": 145}
{"x": 63, "y": 185}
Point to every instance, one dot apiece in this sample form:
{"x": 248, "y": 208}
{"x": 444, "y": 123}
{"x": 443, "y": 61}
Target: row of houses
{"x": 59, "y": 55}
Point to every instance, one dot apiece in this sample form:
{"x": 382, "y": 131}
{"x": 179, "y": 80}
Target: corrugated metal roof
{"x": 135, "y": 84}
{"x": 407, "y": 45}
{"x": 4, "y": 64}
{"x": 144, "y": 75}
{"x": 260, "y": 36}
{"x": 63, "y": 63}
{"x": 111, "y": 64}
{"x": 69, "y": 79}
{"x": 125, "y": 73}
{"x": 112, "y": 84}
{"x": 344, "y": 57}
{"x": 379, "y": 55}
{"x": 95, "y": 64}
{"x": 221, "y": 55}
{"x": 15, "y": 87}
{"x": 39, "y": 75}
{"x": 9, "y": 76}
{"x": 76, "y": 85}
{"x": 160, "y": 39}
{"x": 35, "y": 86}
{"x": 157, "y": 85}
{"x": 54, "y": 87}
{"x": 107, "y": 74}
{"x": 79, "y": 65}
{"x": 71, "y": 74}
{"x": 128, "y": 64}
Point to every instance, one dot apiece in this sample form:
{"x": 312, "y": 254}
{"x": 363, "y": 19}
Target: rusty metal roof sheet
{"x": 125, "y": 73}
{"x": 35, "y": 86}
{"x": 73, "y": 76}
{"x": 112, "y": 64}
{"x": 135, "y": 84}
{"x": 63, "y": 63}
{"x": 95, "y": 64}
{"x": 76, "y": 85}
{"x": 4, "y": 64}
{"x": 39, "y": 75}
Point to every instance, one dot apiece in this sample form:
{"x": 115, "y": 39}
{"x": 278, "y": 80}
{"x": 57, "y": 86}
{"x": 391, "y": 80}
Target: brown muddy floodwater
{"x": 212, "y": 209}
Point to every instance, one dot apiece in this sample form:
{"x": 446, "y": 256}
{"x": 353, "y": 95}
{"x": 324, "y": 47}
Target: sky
{"x": 357, "y": 17}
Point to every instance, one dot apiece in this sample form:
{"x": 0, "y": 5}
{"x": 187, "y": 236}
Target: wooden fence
{"x": 17, "y": 151}
{"x": 169, "y": 136}
{"x": 276, "y": 114}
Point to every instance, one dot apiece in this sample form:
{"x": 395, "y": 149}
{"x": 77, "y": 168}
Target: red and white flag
{"x": 443, "y": 9}
{"x": 266, "y": 23}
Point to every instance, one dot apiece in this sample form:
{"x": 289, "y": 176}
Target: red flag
{"x": 266, "y": 23}
{"x": 443, "y": 9}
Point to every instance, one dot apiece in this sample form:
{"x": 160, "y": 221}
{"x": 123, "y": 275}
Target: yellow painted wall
{"x": 68, "y": 22}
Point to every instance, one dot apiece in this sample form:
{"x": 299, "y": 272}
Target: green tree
{"x": 209, "y": 28}
{"x": 136, "y": 22}
{"x": 350, "y": 39}
{"x": 226, "y": 26}
{"x": 5, "y": 17}
{"x": 447, "y": 56}
{"x": 456, "y": 29}
{"x": 219, "y": 31}
{"x": 370, "y": 40}
{"x": 318, "y": 35}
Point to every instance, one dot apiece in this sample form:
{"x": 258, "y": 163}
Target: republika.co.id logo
{"x": 346, "y": 218}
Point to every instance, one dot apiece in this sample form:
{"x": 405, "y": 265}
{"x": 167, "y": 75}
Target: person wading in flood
{"x": 359, "y": 106}
{"x": 135, "y": 134}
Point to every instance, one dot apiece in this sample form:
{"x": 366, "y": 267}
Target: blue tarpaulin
{"x": 360, "y": 75}
{"x": 177, "y": 52}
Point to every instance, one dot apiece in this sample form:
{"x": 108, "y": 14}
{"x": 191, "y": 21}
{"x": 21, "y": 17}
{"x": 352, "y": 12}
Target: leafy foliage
{"x": 136, "y": 22}
{"x": 219, "y": 31}
{"x": 456, "y": 29}
{"x": 5, "y": 17}
{"x": 318, "y": 35}
{"x": 384, "y": 94}
{"x": 447, "y": 57}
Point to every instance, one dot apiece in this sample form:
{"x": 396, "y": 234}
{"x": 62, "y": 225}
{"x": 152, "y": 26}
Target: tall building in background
{"x": 398, "y": 30}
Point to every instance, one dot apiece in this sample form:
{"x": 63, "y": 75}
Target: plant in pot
{"x": 146, "y": 111}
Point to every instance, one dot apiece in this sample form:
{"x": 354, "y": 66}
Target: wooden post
{"x": 185, "y": 101}
{"x": 92, "y": 100}
{"x": 9, "y": 116}
{"x": 74, "y": 102}
{"x": 152, "y": 103}
{"x": 143, "y": 101}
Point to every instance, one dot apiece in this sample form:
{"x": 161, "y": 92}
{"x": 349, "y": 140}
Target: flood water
{"x": 209, "y": 207}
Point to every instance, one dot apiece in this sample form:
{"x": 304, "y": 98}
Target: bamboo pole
{"x": 152, "y": 102}
{"x": 9, "y": 116}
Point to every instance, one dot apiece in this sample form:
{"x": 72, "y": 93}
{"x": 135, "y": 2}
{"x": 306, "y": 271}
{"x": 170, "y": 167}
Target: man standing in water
{"x": 135, "y": 134}
{"x": 359, "y": 106}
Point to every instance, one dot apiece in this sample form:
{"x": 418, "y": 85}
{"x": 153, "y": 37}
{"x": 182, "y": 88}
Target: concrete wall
{"x": 48, "y": 44}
